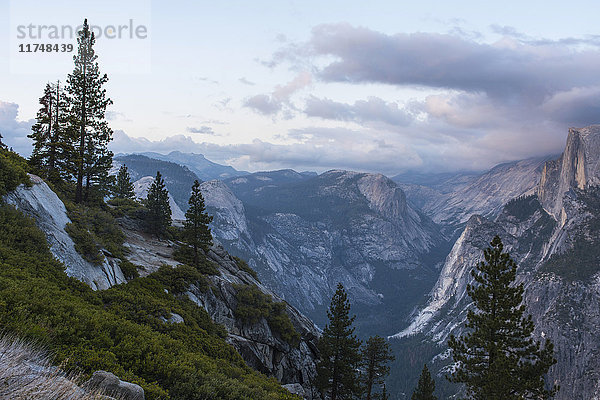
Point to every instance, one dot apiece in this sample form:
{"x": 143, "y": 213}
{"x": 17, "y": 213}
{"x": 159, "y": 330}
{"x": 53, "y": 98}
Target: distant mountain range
{"x": 386, "y": 241}
{"x": 204, "y": 169}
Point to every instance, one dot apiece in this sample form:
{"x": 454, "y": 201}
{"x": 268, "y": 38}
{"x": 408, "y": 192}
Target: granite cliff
{"x": 553, "y": 235}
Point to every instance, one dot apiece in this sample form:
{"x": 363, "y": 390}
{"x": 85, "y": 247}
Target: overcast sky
{"x": 380, "y": 86}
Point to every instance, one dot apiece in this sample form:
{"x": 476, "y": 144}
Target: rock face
{"x": 50, "y": 214}
{"x": 304, "y": 234}
{"x": 453, "y": 198}
{"x": 109, "y": 384}
{"x": 261, "y": 347}
{"x": 578, "y": 167}
{"x": 554, "y": 240}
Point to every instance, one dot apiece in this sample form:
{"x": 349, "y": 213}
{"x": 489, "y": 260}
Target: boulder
{"x": 111, "y": 385}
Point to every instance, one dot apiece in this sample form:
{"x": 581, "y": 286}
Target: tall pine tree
{"x": 123, "y": 188}
{"x": 496, "y": 357}
{"x": 52, "y": 145}
{"x": 376, "y": 353}
{"x": 425, "y": 387}
{"x": 88, "y": 101}
{"x": 337, "y": 369}
{"x": 158, "y": 217}
{"x": 196, "y": 232}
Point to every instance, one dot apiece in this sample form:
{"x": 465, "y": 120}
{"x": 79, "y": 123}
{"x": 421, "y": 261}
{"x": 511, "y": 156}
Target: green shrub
{"x": 122, "y": 329}
{"x": 85, "y": 244}
{"x": 13, "y": 171}
{"x": 243, "y": 265}
{"x": 92, "y": 229}
{"x": 185, "y": 255}
{"x": 126, "y": 208}
{"x": 178, "y": 279}
{"x": 253, "y": 305}
{"x": 130, "y": 270}
{"x": 280, "y": 322}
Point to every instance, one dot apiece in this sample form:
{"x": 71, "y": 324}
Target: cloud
{"x": 15, "y": 132}
{"x": 263, "y": 104}
{"x": 482, "y": 103}
{"x": 203, "y": 130}
{"x": 373, "y": 109}
{"x": 575, "y": 107}
{"x": 114, "y": 116}
{"x": 246, "y": 81}
{"x": 508, "y": 68}
{"x": 316, "y": 148}
{"x": 279, "y": 99}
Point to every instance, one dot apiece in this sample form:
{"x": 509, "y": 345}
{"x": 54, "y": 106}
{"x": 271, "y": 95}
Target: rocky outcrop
{"x": 578, "y": 167}
{"x": 553, "y": 237}
{"x": 110, "y": 385}
{"x": 43, "y": 205}
{"x": 261, "y": 347}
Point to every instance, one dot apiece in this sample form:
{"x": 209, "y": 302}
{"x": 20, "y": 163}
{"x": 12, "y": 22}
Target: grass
{"x": 27, "y": 373}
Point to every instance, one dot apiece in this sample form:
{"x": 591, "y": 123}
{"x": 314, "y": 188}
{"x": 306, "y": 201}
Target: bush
{"x": 253, "y": 305}
{"x": 93, "y": 229}
{"x": 85, "y": 244}
{"x": 185, "y": 255}
{"x": 243, "y": 265}
{"x": 130, "y": 270}
{"x": 122, "y": 329}
{"x": 126, "y": 208}
{"x": 12, "y": 171}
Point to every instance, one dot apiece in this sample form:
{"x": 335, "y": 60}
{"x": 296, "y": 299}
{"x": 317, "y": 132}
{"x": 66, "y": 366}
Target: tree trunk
{"x": 79, "y": 189}
{"x": 52, "y": 143}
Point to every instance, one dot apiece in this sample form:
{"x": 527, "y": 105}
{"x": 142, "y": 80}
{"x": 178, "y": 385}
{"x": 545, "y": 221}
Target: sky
{"x": 378, "y": 86}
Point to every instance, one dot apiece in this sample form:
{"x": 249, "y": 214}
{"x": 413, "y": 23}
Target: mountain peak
{"x": 578, "y": 167}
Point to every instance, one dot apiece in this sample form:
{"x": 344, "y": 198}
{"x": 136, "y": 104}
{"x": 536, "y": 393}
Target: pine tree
{"x": 2, "y": 145}
{"x": 91, "y": 132}
{"x": 196, "y": 232}
{"x": 425, "y": 387}
{"x": 123, "y": 188}
{"x": 158, "y": 217}
{"x": 52, "y": 145}
{"x": 337, "y": 369}
{"x": 497, "y": 357}
{"x": 376, "y": 353}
